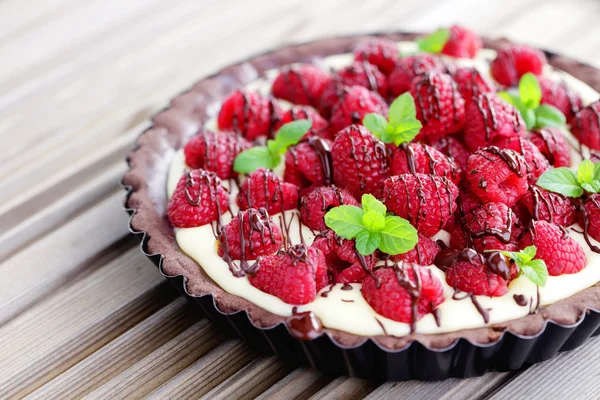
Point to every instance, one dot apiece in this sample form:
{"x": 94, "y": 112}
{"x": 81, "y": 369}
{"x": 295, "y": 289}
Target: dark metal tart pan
{"x": 507, "y": 346}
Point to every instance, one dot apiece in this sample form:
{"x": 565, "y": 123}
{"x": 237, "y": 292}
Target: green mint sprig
{"x": 527, "y": 101}
{"x": 269, "y": 156}
{"x": 435, "y": 42}
{"x": 532, "y": 268}
{"x": 371, "y": 228}
{"x": 569, "y": 183}
{"x": 400, "y": 126}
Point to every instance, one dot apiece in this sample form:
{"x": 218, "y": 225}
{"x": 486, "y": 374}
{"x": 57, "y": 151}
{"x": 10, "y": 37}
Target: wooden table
{"x": 82, "y": 311}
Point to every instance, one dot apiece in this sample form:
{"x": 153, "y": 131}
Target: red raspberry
{"x": 382, "y": 53}
{"x": 262, "y": 188}
{"x": 355, "y": 103}
{"x": 488, "y": 226}
{"x": 471, "y": 83}
{"x": 549, "y": 206}
{"x": 215, "y": 152}
{"x": 303, "y": 84}
{"x": 309, "y": 163}
{"x": 489, "y": 117}
{"x": 551, "y": 142}
{"x": 316, "y": 203}
{"x": 260, "y": 236}
{"x": 498, "y": 175}
{"x": 249, "y": 114}
{"x": 408, "y": 68}
{"x": 404, "y": 293}
{"x": 294, "y": 275}
{"x": 586, "y": 126}
{"x": 426, "y": 201}
{"x": 423, "y": 159}
{"x": 440, "y": 107}
{"x": 537, "y": 163}
{"x": 562, "y": 254}
{"x": 462, "y": 43}
{"x": 559, "y": 95}
{"x": 514, "y": 61}
{"x": 423, "y": 254}
{"x": 471, "y": 273}
{"x": 344, "y": 263}
{"x": 590, "y": 214}
{"x": 319, "y": 124}
{"x": 359, "y": 160}
{"x": 361, "y": 73}
{"x": 198, "y": 200}
{"x": 454, "y": 148}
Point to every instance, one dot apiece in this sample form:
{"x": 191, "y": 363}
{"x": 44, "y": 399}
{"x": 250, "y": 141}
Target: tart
{"x": 370, "y": 202}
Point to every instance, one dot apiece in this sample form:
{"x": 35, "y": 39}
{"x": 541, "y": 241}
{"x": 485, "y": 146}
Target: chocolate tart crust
{"x": 171, "y": 128}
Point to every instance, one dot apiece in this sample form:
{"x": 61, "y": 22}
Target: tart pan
{"x": 512, "y": 345}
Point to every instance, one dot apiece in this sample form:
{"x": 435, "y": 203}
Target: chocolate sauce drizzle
{"x": 520, "y": 300}
{"x": 429, "y": 99}
{"x": 304, "y": 325}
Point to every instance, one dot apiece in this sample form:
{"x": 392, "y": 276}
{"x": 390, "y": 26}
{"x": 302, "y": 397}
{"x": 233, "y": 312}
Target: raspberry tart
{"x": 380, "y": 205}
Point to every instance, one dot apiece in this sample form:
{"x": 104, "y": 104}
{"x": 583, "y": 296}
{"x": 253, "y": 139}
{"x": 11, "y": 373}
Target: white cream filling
{"x": 347, "y": 310}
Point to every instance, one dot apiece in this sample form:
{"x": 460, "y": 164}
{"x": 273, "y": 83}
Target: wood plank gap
{"x": 301, "y": 384}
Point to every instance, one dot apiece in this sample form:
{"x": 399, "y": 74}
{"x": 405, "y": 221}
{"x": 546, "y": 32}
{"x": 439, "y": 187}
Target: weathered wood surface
{"x": 82, "y": 312}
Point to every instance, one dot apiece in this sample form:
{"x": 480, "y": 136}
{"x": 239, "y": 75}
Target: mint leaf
{"x": 561, "y": 180}
{"x": 528, "y": 253}
{"x": 546, "y": 115}
{"x": 585, "y": 172}
{"x": 591, "y": 187}
{"x": 597, "y": 172}
{"x": 346, "y": 221}
{"x": 398, "y": 236}
{"x": 254, "y": 158}
{"x": 529, "y": 91}
{"x": 373, "y": 221}
{"x": 434, "y": 43}
{"x": 402, "y": 108}
{"x": 527, "y": 113}
{"x": 406, "y": 131}
{"x": 376, "y": 124}
{"x": 367, "y": 242}
{"x": 370, "y": 203}
{"x": 536, "y": 271}
{"x": 289, "y": 134}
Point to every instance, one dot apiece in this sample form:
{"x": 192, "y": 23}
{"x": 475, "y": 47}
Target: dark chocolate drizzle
{"x": 304, "y": 325}
{"x": 520, "y": 300}
{"x": 485, "y": 312}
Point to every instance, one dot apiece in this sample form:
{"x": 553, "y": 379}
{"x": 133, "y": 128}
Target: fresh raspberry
{"x": 361, "y": 73}
{"x": 355, "y": 103}
{"x": 463, "y": 43}
{"x": 423, "y": 159}
{"x": 590, "y": 214}
{"x": 198, "y": 200}
{"x": 423, "y": 254}
{"x": 256, "y": 230}
{"x": 315, "y": 204}
{"x": 549, "y": 206}
{"x": 489, "y": 117}
{"x": 562, "y": 254}
{"x": 514, "y": 61}
{"x": 408, "y": 69}
{"x": 215, "y": 152}
{"x": 405, "y": 292}
{"x": 559, "y": 95}
{"x": 426, "y": 201}
{"x": 586, "y": 126}
{"x": 488, "y": 226}
{"x": 471, "y": 273}
{"x": 551, "y": 142}
{"x": 454, "y": 148}
{"x": 382, "y": 53}
{"x": 472, "y": 83}
{"x": 498, "y": 175}
{"x": 308, "y": 163}
{"x": 359, "y": 160}
{"x": 466, "y": 202}
{"x": 344, "y": 263}
{"x": 262, "y": 188}
{"x": 249, "y": 114}
{"x": 294, "y": 275}
{"x": 440, "y": 107}
{"x": 319, "y": 124}
{"x": 537, "y": 163}
{"x": 303, "y": 84}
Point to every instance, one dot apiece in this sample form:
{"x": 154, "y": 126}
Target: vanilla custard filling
{"x": 347, "y": 310}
